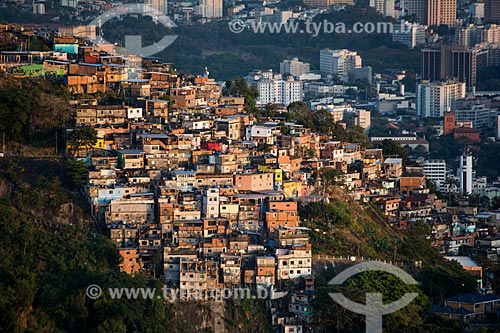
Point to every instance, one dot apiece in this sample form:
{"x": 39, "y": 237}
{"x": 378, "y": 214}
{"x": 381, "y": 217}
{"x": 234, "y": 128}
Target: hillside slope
{"x": 344, "y": 227}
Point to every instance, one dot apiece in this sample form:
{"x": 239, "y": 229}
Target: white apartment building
{"x": 339, "y": 63}
{"x": 469, "y": 36}
{"x": 260, "y": 134}
{"x": 294, "y": 67}
{"x": 436, "y": 98}
{"x": 409, "y": 34}
{"x": 363, "y": 119}
{"x": 279, "y": 91}
{"x": 435, "y": 171}
{"x": 384, "y": 7}
{"x": 474, "y": 110}
{"x": 210, "y": 8}
{"x": 293, "y": 263}
{"x": 211, "y": 203}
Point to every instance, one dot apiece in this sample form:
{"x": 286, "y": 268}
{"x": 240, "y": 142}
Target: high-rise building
{"x": 436, "y": 98}
{"x": 469, "y": 36}
{"x": 491, "y": 34}
{"x": 210, "y": 9}
{"x": 417, "y": 10}
{"x": 463, "y": 66}
{"x": 279, "y": 91}
{"x": 433, "y": 12}
{"x": 442, "y": 12}
{"x": 431, "y": 65}
{"x": 384, "y": 7}
{"x": 435, "y": 171}
{"x": 38, "y": 8}
{"x": 493, "y": 56}
{"x": 475, "y": 110}
{"x": 339, "y": 63}
{"x": 363, "y": 119}
{"x": 158, "y": 5}
{"x": 450, "y": 62}
{"x": 266, "y": 90}
{"x": 465, "y": 174}
{"x": 294, "y": 67}
{"x": 410, "y": 34}
{"x": 492, "y": 11}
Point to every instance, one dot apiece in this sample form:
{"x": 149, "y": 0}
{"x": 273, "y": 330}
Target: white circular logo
{"x": 133, "y": 44}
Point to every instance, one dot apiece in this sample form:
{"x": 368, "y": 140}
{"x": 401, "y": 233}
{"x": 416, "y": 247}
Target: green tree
{"x": 239, "y": 87}
{"x": 391, "y": 147}
{"x": 31, "y": 110}
{"x": 76, "y": 171}
{"x": 300, "y": 112}
{"x": 82, "y": 138}
{"x": 495, "y": 203}
{"x": 271, "y": 110}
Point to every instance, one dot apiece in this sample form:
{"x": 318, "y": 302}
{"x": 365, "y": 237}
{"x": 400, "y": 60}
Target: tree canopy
{"x": 82, "y": 138}
{"x": 32, "y": 110}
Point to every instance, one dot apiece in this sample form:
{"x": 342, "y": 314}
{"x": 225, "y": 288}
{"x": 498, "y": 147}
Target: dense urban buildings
{"x": 340, "y": 63}
{"x": 243, "y": 176}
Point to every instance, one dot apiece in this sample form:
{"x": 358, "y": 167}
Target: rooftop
{"x": 463, "y": 260}
{"x": 474, "y": 298}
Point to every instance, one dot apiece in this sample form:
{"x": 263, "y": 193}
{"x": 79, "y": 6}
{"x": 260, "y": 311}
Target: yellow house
{"x": 278, "y": 173}
{"x": 292, "y": 188}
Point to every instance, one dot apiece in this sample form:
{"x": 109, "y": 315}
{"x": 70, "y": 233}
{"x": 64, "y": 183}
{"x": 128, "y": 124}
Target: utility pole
{"x": 3, "y": 142}
{"x": 56, "y": 142}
